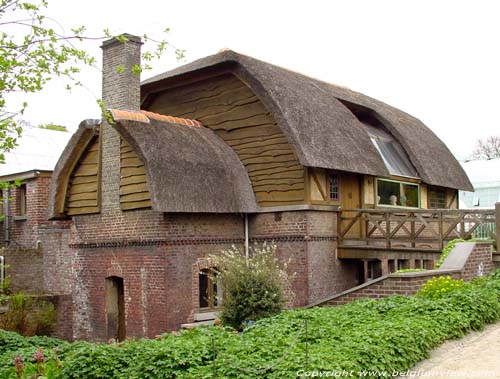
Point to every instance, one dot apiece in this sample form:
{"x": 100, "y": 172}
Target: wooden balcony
{"x": 366, "y": 233}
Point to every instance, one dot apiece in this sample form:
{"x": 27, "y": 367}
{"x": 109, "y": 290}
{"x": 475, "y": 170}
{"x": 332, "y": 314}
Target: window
{"x": 437, "y": 198}
{"x": 393, "y": 193}
{"x": 391, "y": 152}
{"x": 333, "y": 187}
{"x": 210, "y": 296}
{"x": 21, "y": 203}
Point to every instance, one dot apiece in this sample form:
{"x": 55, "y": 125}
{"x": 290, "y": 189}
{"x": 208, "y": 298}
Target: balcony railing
{"x": 418, "y": 229}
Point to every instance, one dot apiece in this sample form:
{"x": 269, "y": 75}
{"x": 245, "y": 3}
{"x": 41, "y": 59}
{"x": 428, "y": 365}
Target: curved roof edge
{"x": 314, "y": 119}
{"x": 65, "y": 165}
{"x": 188, "y": 167}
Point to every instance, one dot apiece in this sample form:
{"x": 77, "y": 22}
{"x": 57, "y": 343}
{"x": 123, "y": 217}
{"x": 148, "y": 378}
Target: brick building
{"x": 218, "y": 152}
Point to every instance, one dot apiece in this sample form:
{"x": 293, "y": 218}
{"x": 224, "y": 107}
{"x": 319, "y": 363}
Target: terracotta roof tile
{"x": 119, "y": 114}
{"x": 145, "y": 116}
{"x": 175, "y": 120}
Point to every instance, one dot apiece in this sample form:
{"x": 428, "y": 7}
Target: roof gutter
{"x": 24, "y": 175}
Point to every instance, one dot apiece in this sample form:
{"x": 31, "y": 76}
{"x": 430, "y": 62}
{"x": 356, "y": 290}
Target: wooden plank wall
{"x": 134, "y": 191}
{"x": 228, "y": 107}
{"x": 83, "y": 190}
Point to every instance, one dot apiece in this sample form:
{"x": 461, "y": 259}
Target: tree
{"x": 488, "y": 148}
{"x": 32, "y": 52}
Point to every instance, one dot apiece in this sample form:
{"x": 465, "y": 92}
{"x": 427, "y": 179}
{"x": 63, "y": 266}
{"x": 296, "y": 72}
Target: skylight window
{"x": 392, "y": 153}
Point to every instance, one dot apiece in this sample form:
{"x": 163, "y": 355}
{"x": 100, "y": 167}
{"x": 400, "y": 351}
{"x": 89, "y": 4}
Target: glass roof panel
{"x": 392, "y": 153}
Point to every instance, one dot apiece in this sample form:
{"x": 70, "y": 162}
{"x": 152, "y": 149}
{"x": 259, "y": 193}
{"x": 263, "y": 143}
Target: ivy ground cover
{"x": 368, "y": 337}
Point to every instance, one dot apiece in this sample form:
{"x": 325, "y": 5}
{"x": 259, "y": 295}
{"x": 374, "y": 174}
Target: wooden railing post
{"x": 412, "y": 229}
{"x": 388, "y": 230}
{"x": 497, "y": 225}
{"x": 441, "y": 242}
{"x": 339, "y": 227}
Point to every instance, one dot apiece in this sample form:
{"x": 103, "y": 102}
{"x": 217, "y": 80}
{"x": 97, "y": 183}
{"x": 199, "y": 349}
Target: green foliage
{"x": 440, "y": 286}
{"x": 367, "y": 335}
{"x": 55, "y": 127}
{"x": 253, "y": 287}
{"x": 28, "y": 316}
{"x": 447, "y": 250}
{"x": 33, "y": 52}
{"x": 403, "y": 270}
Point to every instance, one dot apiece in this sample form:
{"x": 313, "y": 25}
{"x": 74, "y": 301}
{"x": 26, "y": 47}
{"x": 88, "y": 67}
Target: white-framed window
{"x": 394, "y": 193}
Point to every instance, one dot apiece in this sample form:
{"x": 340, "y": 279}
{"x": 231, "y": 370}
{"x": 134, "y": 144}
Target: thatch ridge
{"x": 86, "y": 131}
{"x": 322, "y": 130}
{"x": 188, "y": 168}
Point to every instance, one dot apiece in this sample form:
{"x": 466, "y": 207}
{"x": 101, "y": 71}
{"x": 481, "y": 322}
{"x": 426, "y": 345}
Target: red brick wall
{"x": 162, "y": 295}
{"x": 391, "y": 285}
{"x": 479, "y": 263}
{"x": 309, "y": 239}
{"x": 64, "y": 317}
{"x": 37, "y": 256}
{"x": 25, "y": 269}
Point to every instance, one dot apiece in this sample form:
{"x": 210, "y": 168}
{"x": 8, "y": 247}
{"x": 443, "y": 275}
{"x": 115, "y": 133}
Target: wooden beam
{"x": 320, "y": 187}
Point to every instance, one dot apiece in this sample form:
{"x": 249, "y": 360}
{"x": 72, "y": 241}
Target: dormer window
{"x": 391, "y": 152}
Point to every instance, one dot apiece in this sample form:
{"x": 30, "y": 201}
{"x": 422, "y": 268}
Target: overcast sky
{"x": 437, "y": 60}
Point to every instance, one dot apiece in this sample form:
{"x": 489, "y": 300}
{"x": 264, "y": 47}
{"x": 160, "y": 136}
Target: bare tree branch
{"x": 488, "y": 148}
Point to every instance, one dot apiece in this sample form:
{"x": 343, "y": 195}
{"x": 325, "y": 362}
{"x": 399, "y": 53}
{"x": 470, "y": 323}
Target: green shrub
{"x": 28, "y": 316}
{"x": 440, "y": 286}
{"x": 253, "y": 287}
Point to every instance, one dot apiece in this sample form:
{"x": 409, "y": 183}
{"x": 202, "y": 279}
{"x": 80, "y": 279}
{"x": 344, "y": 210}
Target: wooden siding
{"x": 82, "y": 196}
{"x": 228, "y": 107}
{"x": 134, "y": 193}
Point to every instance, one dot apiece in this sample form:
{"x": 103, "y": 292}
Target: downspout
{"x": 2, "y": 271}
{"x": 6, "y": 225}
{"x": 6, "y": 215}
{"x": 246, "y": 236}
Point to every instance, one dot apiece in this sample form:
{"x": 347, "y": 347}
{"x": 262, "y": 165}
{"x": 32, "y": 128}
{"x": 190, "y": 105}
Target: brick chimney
{"x": 120, "y": 90}
{"x": 120, "y": 87}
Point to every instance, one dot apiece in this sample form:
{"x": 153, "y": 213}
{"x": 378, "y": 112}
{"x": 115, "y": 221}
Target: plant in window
{"x": 253, "y": 287}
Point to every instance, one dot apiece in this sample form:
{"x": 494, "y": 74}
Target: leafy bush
{"x": 28, "y": 316}
{"x": 439, "y": 286}
{"x": 253, "y": 287}
{"x": 383, "y": 336}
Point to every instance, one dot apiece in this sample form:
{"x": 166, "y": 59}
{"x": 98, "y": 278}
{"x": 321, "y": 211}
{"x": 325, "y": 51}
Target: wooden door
{"x": 115, "y": 308}
{"x": 350, "y": 198}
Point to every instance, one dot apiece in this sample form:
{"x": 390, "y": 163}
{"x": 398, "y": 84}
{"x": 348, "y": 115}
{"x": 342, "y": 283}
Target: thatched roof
{"x": 321, "y": 128}
{"x": 189, "y": 168}
{"x": 87, "y": 130}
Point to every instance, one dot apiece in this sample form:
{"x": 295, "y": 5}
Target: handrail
{"x": 413, "y": 228}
